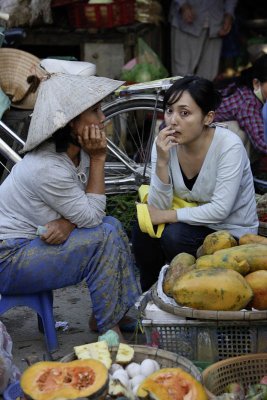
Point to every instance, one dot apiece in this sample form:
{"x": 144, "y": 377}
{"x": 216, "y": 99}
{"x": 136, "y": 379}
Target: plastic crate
{"x": 101, "y": 16}
{"x": 207, "y": 341}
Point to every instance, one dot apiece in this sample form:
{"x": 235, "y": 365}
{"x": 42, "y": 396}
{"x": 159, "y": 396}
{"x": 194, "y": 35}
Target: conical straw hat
{"x": 61, "y": 98}
{"x": 15, "y": 67}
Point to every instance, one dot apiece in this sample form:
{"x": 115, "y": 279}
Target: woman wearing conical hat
{"x": 54, "y": 231}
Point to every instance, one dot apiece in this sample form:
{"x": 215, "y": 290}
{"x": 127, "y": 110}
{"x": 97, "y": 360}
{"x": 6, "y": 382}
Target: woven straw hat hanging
{"x": 16, "y": 66}
{"x": 61, "y": 97}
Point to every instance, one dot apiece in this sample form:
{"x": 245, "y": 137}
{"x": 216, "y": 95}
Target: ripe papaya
{"x": 227, "y": 261}
{"x": 216, "y": 241}
{"x": 180, "y": 264}
{"x": 251, "y": 238}
{"x": 243, "y": 259}
{"x": 218, "y": 289}
{"x": 257, "y": 280}
{"x": 171, "y": 384}
{"x": 200, "y": 252}
{"x": 50, "y": 380}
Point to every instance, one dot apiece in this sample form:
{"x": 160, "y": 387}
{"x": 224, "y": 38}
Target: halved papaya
{"x": 171, "y": 384}
{"x": 50, "y": 380}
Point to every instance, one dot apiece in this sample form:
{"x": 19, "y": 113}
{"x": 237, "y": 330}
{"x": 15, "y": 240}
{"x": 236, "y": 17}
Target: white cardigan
{"x": 224, "y": 187}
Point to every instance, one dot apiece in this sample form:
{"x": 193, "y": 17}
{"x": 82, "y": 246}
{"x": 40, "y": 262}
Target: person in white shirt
{"x": 198, "y": 162}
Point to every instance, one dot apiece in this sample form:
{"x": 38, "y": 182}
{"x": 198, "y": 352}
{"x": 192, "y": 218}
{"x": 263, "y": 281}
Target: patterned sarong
{"x": 101, "y": 256}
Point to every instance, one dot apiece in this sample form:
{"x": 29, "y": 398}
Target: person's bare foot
{"x": 126, "y": 320}
{"x": 116, "y": 329}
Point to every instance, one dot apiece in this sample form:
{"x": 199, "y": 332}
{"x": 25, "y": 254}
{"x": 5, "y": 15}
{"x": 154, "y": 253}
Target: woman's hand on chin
{"x": 93, "y": 141}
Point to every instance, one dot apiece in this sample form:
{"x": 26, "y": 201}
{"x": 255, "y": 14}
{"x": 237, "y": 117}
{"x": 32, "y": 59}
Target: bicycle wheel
{"x": 131, "y": 125}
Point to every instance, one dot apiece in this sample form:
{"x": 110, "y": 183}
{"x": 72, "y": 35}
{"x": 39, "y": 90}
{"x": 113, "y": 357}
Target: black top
{"x": 189, "y": 183}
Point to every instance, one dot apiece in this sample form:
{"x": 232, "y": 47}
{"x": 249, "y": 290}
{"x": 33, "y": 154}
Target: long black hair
{"x": 63, "y": 137}
{"x": 200, "y": 89}
{"x": 257, "y": 71}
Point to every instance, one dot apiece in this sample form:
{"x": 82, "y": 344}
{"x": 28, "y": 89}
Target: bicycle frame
{"x": 137, "y": 173}
{"x": 125, "y": 183}
{"x": 5, "y": 149}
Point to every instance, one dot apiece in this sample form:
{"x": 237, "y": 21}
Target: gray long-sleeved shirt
{"x": 208, "y": 13}
{"x": 44, "y": 186}
{"x": 224, "y": 187}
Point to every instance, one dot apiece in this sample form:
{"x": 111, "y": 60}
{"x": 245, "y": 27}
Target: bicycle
{"x": 9, "y": 37}
{"x": 133, "y": 114}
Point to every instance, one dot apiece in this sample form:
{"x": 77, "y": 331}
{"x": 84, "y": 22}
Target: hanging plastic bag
{"x": 148, "y": 65}
{"x": 9, "y": 373}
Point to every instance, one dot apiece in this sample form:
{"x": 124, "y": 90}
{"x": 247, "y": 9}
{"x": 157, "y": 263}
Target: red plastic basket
{"x": 100, "y": 16}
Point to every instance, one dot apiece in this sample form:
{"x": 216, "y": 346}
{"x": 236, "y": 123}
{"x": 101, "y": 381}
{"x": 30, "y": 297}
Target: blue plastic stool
{"x": 42, "y": 303}
{"x": 13, "y": 391}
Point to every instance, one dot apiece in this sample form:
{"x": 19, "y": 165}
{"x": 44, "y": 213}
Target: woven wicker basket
{"x": 187, "y": 312}
{"x": 166, "y": 359}
{"x": 247, "y": 370}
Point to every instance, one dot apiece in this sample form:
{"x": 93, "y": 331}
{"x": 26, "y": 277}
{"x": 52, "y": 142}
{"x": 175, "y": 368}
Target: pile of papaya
{"x": 226, "y": 275}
